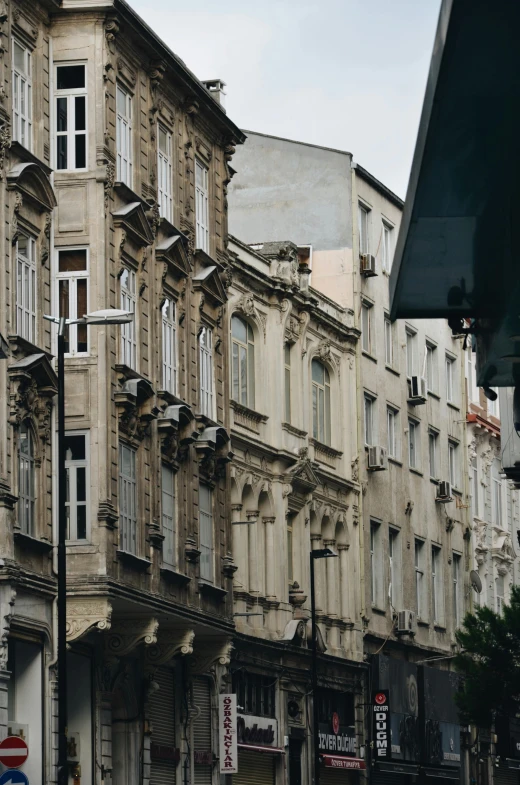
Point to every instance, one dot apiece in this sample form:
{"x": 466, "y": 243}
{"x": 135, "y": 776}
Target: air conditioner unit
{"x": 444, "y": 492}
{"x": 405, "y": 623}
{"x": 377, "y": 459}
{"x": 418, "y": 390}
{"x": 368, "y": 265}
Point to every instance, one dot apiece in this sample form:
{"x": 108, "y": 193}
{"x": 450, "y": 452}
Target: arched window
{"x": 320, "y": 402}
{"x": 243, "y": 362}
{"x": 26, "y": 484}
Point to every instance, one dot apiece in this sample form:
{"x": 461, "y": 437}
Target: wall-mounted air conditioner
{"x": 417, "y": 390}
{"x": 443, "y": 492}
{"x": 368, "y": 265}
{"x": 377, "y": 459}
{"x": 405, "y": 623}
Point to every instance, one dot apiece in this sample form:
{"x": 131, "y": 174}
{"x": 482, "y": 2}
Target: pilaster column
{"x": 331, "y": 571}
{"x": 319, "y": 582}
{"x": 345, "y": 610}
{"x": 253, "y": 551}
{"x": 240, "y": 548}
{"x": 270, "y": 558}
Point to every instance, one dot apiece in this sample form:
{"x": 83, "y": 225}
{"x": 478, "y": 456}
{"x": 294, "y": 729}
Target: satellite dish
{"x": 475, "y": 581}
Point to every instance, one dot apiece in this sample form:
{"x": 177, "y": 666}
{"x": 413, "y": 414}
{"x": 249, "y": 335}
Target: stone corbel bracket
{"x": 175, "y": 431}
{"x": 211, "y": 654}
{"x": 135, "y": 402}
{"x": 170, "y": 644}
{"x": 128, "y": 634}
{"x": 85, "y": 615}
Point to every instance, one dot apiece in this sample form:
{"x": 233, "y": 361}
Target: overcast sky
{"x": 348, "y": 74}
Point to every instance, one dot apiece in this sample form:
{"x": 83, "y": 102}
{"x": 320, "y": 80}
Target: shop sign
{"x": 164, "y": 752}
{"x": 227, "y": 733}
{"x": 332, "y": 762}
{"x": 442, "y": 743}
{"x": 342, "y": 738}
{"x": 257, "y": 731}
{"x": 381, "y": 725}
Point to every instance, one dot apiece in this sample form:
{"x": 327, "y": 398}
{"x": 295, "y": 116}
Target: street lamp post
{"x": 319, "y": 553}
{"x": 108, "y": 316}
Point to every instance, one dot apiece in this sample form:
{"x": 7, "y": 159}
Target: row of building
{"x": 261, "y": 406}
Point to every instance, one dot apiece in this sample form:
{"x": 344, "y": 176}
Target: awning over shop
{"x": 342, "y": 762}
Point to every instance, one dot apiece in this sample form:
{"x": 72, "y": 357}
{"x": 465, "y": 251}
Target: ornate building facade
{"x": 114, "y": 168}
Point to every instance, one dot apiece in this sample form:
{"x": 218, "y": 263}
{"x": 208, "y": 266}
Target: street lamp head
{"x": 108, "y": 316}
{"x": 323, "y": 553}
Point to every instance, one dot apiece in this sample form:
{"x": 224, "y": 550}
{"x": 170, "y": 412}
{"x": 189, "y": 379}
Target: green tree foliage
{"x": 490, "y": 663}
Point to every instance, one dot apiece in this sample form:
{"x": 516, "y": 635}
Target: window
{"x": 73, "y": 297}
{"x": 128, "y": 331}
{"x": 287, "y": 367}
{"x": 76, "y": 465}
{"x": 169, "y": 346}
{"x": 392, "y": 420}
{"x": 22, "y": 95}
{"x": 71, "y": 117}
{"x": 493, "y": 406}
{"x": 475, "y": 487}
{"x": 431, "y": 367}
{"x": 433, "y": 437}
{"x": 499, "y": 594}
{"x": 207, "y": 393}
{"x": 413, "y": 444}
{"x": 164, "y": 173}
{"x": 201, "y": 206}
{"x": 376, "y": 563}
{"x": 366, "y": 327}
{"x": 243, "y": 362}
{"x": 26, "y": 481}
{"x": 394, "y": 555}
{"x": 389, "y": 342}
{"x": 127, "y": 499}
{"x": 369, "y": 420}
{"x": 320, "y": 402}
{"x": 471, "y": 375}
{"x": 450, "y": 367}
{"x": 496, "y": 497}
{"x": 256, "y": 694}
{"x": 363, "y": 229}
{"x": 206, "y": 532}
{"x": 457, "y": 590}
{"x": 168, "y": 516}
{"x": 411, "y": 353}
{"x": 124, "y": 136}
{"x": 387, "y": 247}
{"x": 419, "y": 580}
{"x": 453, "y": 464}
{"x": 26, "y": 288}
{"x": 437, "y": 604}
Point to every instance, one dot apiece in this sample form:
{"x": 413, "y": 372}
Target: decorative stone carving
{"x": 5, "y": 144}
{"x": 170, "y": 644}
{"x": 128, "y": 634}
{"x": 111, "y": 31}
{"x": 297, "y": 598}
{"x": 480, "y": 534}
{"x": 7, "y": 600}
{"x": 211, "y": 655}
{"x": 136, "y": 408}
{"x": 109, "y": 184}
{"x": 156, "y": 74}
{"x": 86, "y": 614}
{"x": 32, "y": 384}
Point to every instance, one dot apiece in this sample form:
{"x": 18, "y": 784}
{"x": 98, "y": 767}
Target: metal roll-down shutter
{"x": 162, "y": 717}
{"x": 255, "y": 768}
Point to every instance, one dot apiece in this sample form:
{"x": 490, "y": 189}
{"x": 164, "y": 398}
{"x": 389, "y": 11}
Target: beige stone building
{"x": 113, "y": 173}
{"x": 293, "y": 402}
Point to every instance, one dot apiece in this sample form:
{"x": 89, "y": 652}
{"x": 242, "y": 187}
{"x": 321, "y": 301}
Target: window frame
{"x": 419, "y": 566}
{"x": 321, "y": 429}
{"x": 124, "y": 132}
{"x": 70, "y": 134}
{"x": 363, "y": 233}
{"x": 165, "y": 174}
{"x": 202, "y": 219}
{"x": 456, "y": 588}
{"x": 389, "y": 342}
{"x": 23, "y": 80}
{"x": 366, "y": 331}
{"x": 453, "y": 463}
{"x": 392, "y": 416}
{"x": 411, "y": 352}
{"x": 375, "y": 563}
{"x": 475, "y": 486}
{"x": 207, "y": 398}
{"x": 449, "y": 368}
{"x": 128, "y": 521}
{"x": 72, "y": 484}
{"x": 497, "y": 501}
{"x": 249, "y": 348}
{"x": 433, "y": 439}
{"x": 26, "y": 518}
{"x": 25, "y": 311}
{"x": 386, "y": 246}
{"x": 395, "y": 574}
{"x": 500, "y": 598}
{"x": 208, "y": 548}
{"x": 73, "y": 277}
{"x": 128, "y": 300}
{"x": 169, "y": 349}
{"x": 169, "y": 533}
{"x": 437, "y": 585}
{"x": 369, "y": 404}
{"x": 413, "y": 427}
{"x": 431, "y": 368}
{"x": 471, "y": 375}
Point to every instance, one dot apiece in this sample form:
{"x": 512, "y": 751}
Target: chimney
{"x": 217, "y": 89}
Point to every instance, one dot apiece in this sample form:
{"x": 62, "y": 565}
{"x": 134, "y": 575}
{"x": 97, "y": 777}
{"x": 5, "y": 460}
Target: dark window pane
{"x": 81, "y": 151}
{"x": 61, "y": 114}
{"x": 81, "y": 514}
{"x": 61, "y": 152}
{"x": 80, "y": 113}
{"x": 70, "y": 77}
{"x": 72, "y": 261}
{"x": 64, "y": 308}
{"x": 75, "y": 448}
{"x": 81, "y": 484}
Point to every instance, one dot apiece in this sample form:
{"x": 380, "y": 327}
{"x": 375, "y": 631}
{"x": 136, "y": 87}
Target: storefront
{"x": 508, "y": 750}
{"x": 441, "y": 725}
{"x": 339, "y": 754}
{"x": 164, "y": 754}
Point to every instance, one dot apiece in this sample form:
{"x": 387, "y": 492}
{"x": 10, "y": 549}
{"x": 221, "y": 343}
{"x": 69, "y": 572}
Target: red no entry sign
{"x": 13, "y": 751}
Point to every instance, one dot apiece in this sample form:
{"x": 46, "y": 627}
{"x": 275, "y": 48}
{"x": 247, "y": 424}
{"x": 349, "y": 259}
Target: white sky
{"x": 348, "y": 74}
